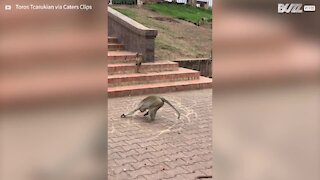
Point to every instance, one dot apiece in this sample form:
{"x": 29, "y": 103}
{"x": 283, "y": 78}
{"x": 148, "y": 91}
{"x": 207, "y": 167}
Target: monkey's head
{"x": 139, "y": 55}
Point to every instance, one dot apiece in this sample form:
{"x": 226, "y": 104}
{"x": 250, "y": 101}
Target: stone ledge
{"x": 135, "y": 36}
{"x": 204, "y": 65}
{"x": 131, "y": 24}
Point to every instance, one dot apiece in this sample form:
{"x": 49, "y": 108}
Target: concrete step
{"x": 127, "y": 68}
{"x": 141, "y": 78}
{"x": 144, "y": 89}
{"x": 116, "y": 57}
{"x": 115, "y": 47}
{"x": 112, "y": 39}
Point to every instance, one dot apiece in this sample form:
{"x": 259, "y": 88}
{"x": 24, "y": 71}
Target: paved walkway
{"x": 166, "y": 148}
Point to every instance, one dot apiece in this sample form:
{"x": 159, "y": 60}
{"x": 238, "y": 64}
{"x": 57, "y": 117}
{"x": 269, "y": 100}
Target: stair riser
{"x": 112, "y": 82}
{"x": 137, "y": 92}
{"x": 113, "y": 40}
{"x": 143, "y": 69}
{"x": 115, "y": 47}
{"x": 121, "y": 59}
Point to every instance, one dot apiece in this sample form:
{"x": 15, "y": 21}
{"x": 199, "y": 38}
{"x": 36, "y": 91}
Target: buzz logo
{"x": 290, "y": 8}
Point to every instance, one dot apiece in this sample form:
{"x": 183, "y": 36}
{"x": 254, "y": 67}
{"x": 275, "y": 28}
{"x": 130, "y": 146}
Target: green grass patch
{"x": 140, "y": 18}
{"x": 181, "y": 11}
{"x": 127, "y": 12}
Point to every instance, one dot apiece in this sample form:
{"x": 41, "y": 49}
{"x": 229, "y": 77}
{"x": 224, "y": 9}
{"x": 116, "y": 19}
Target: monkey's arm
{"x": 130, "y": 113}
{"x": 138, "y": 69}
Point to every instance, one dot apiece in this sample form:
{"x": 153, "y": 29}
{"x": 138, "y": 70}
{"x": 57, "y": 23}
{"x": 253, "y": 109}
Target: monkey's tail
{"x": 166, "y": 101}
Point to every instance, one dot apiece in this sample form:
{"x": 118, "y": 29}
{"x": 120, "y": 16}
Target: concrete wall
{"x": 133, "y": 35}
{"x": 204, "y": 65}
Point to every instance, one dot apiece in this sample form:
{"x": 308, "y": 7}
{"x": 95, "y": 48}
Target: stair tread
{"x": 144, "y": 64}
{"x": 115, "y": 44}
{"x": 179, "y": 71}
{"x": 201, "y": 80}
{"x": 121, "y": 53}
{"x": 129, "y": 67}
{"x": 112, "y": 40}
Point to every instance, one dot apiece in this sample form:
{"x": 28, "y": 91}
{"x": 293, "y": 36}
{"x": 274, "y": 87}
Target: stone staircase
{"x": 156, "y": 77}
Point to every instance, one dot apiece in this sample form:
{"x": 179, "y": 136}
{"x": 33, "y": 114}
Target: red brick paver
{"x": 166, "y": 148}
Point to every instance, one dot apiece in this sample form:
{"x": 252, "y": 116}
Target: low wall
{"x": 204, "y": 65}
{"x": 133, "y": 35}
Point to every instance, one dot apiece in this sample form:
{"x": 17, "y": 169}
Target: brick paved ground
{"x": 166, "y": 148}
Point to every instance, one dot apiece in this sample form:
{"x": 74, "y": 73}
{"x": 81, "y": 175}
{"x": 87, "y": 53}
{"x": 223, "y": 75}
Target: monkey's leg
{"x": 138, "y": 68}
{"x": 153, "y": 113}
{"x": 130, "y": 113}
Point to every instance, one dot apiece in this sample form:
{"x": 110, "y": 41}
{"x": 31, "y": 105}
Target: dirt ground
{"x": 176, "y": 38}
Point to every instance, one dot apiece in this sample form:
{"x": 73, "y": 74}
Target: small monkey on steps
{"x": 139, "y": 60}
{"x": 152, "y": 104}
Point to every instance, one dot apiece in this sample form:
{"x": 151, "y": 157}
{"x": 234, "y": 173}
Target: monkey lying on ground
{"x": 139, "y": 59}
{"x": 152, "y": 104}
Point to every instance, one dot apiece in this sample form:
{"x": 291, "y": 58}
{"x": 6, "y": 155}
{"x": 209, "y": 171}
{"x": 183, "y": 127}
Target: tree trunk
{"x": 192, "y": 2}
